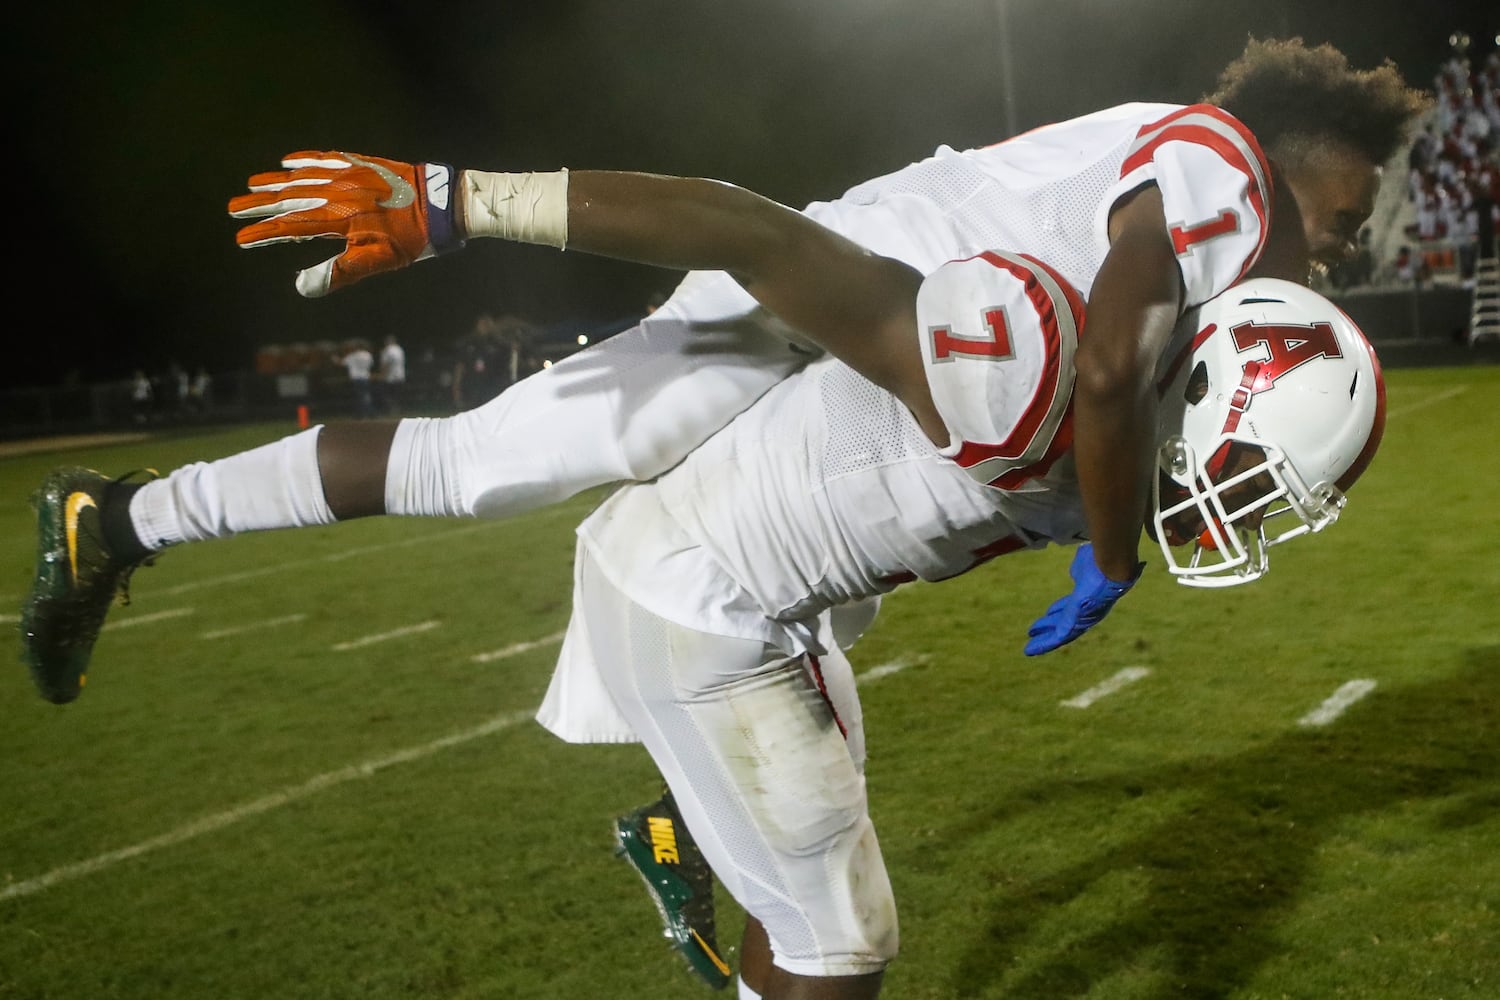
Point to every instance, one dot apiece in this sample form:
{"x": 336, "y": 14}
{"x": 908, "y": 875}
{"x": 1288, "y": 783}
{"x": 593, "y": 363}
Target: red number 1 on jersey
{"x": 946, "y": 345}
{"x": 1183, "y": 237}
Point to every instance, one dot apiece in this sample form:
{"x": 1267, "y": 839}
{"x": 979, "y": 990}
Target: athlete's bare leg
{"x": 352, "y": 458}
{"x": 755, "y": 956}
{"x": 776, "y": 984}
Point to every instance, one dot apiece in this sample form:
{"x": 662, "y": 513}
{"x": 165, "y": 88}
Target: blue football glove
{"x": 1071, "y": 616}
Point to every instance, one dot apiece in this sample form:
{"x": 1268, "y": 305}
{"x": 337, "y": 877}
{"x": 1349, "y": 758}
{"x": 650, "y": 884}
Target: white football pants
{"x": 628, "y": 408}
{"x": 769, "y": 787}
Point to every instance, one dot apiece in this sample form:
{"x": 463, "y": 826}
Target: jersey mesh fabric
{"x": 1045, "y": 220}
{"x": 867, "y": 426}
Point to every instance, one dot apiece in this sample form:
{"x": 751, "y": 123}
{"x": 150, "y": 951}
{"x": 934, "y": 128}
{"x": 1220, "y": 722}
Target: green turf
{"x": 1181, "y": 838}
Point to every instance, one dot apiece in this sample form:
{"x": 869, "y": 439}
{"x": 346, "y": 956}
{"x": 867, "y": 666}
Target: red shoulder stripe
{"x": 1043, "y": 403}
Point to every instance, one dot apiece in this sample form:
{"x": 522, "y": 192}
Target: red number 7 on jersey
{"x": 996, "y": 347}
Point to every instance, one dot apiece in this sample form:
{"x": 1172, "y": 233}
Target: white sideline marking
{"x": 154, "y": 616}
{"x": 1106, "y": 688}
{"x": 223, "y": 633}
{"x": 1433, "y": 400}
{"x": 266, "y": 803}
{"x": 885, "y": 670}
{"x": 1336, "y": 703}
{"x": 395, "y": 633}
{"x": 516, "y": 648}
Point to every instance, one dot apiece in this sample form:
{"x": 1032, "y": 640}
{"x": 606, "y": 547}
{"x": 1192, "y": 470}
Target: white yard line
{"x": 1433, "y": 400}
{"x": 366, "y": 769}
{"x": 516, "y": 648}
{"x": 214, "y": 581}
{"x": 266, "y": 803}
{"x": 885, "y": 670}
{"x": 1107, "y": 687}
{"x": 155, "y": 616}
{"x": 1336, "y": 703}
{"x": 395, "y": 633}
{"x": 224, "y": 633}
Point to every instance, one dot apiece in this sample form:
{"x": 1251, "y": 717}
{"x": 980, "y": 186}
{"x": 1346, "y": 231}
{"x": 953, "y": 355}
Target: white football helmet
{"x": 1272, "y": 404}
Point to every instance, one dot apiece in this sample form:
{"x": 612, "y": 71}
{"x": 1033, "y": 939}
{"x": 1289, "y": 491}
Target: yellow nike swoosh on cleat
{"x": 76, "y": 502}
{"x": 712, "y": 957}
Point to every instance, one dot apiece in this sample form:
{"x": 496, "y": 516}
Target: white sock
{"x": 274, "y": 486}
{"x": 416, "y": 477}
{"x": 746, "y": 993}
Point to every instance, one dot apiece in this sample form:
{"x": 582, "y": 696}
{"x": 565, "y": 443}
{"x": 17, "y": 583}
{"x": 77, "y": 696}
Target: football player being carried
{"x": 918, "y": 351}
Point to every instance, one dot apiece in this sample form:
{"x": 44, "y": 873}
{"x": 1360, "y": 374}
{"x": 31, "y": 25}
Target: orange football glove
{"x": 388, "y": 213}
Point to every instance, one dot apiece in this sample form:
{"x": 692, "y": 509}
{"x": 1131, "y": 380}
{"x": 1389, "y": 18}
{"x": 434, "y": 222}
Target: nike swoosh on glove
{"x": 388, "y": 213}
{"x": 1071, "y": 616}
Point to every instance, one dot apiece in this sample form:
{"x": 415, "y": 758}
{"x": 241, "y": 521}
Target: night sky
{"x": 137, "y": 122}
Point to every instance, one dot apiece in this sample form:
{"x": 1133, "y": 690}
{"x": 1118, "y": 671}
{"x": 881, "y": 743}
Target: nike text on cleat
{"x": 76, "y": 580}
{"x": 655, "y": 842}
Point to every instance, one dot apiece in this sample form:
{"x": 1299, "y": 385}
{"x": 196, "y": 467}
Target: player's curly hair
{"x": 1293, "y": 98}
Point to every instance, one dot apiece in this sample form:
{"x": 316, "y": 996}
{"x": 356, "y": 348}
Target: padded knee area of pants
{"x": 806, "y": 800}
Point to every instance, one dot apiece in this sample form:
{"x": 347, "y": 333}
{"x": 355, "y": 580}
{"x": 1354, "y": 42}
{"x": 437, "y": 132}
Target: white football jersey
{"x": 827, "y": 491}
{"x": 1049, "y": 193}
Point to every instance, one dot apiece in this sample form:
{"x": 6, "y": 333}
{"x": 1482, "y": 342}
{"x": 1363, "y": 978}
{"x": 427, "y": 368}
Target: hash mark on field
{"x": 224, "y": 633}
{"x": 1433, "y": 400}
{"x": 1106, "y": 688}
{"x": 395, "y": 633}
{"x": 9, "y": 619}
{"x": 266, "y": 803}
{"x": 886, "y": 669}
{"x": 1336, "y": 703}
{"x": 154, "y": 616}
{"x": 516, "y": 648}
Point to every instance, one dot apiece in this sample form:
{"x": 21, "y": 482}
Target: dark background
{"x": 133, "y": 124}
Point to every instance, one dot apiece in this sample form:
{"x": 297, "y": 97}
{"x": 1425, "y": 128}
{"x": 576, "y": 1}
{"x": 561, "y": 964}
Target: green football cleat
{"x": 76, "y": 580}
{"x": 657, "y": 844}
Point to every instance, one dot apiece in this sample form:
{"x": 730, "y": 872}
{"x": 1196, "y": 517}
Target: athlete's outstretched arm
{"x": 1133, "y": 307}
{"x": 859, "y": 306}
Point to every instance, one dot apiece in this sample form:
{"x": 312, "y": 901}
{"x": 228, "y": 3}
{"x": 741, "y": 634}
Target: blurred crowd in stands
{"x": 1453, "y": 181}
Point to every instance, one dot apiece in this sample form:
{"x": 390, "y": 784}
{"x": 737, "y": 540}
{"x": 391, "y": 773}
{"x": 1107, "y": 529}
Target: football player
{"x": 1145, "y": 210}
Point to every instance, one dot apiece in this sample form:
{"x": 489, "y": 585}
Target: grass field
{"x": 253, "y": 799}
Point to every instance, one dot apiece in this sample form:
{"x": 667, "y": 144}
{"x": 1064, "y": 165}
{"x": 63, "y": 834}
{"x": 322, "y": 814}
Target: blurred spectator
{"x": 392, "y": 376}
{"x": 358, "y": 362}
{"x": 1357, "y": 270}
{"x": 492, "y": 356}
{"x": 140, "y": 397}
{"x": 478, "y": 365}
{"x": 1409, "y": 269}
{"x": 200, "y": 392}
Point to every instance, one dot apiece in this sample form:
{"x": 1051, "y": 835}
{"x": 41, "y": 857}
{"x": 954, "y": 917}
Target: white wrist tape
{"x": 527, "y": 208}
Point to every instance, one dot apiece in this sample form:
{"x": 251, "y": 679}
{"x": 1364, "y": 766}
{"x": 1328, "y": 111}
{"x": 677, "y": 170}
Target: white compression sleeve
{"x": 527, "y": 208}
{"x": 274, "y": 486}
{"x": 417, "y": 475}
